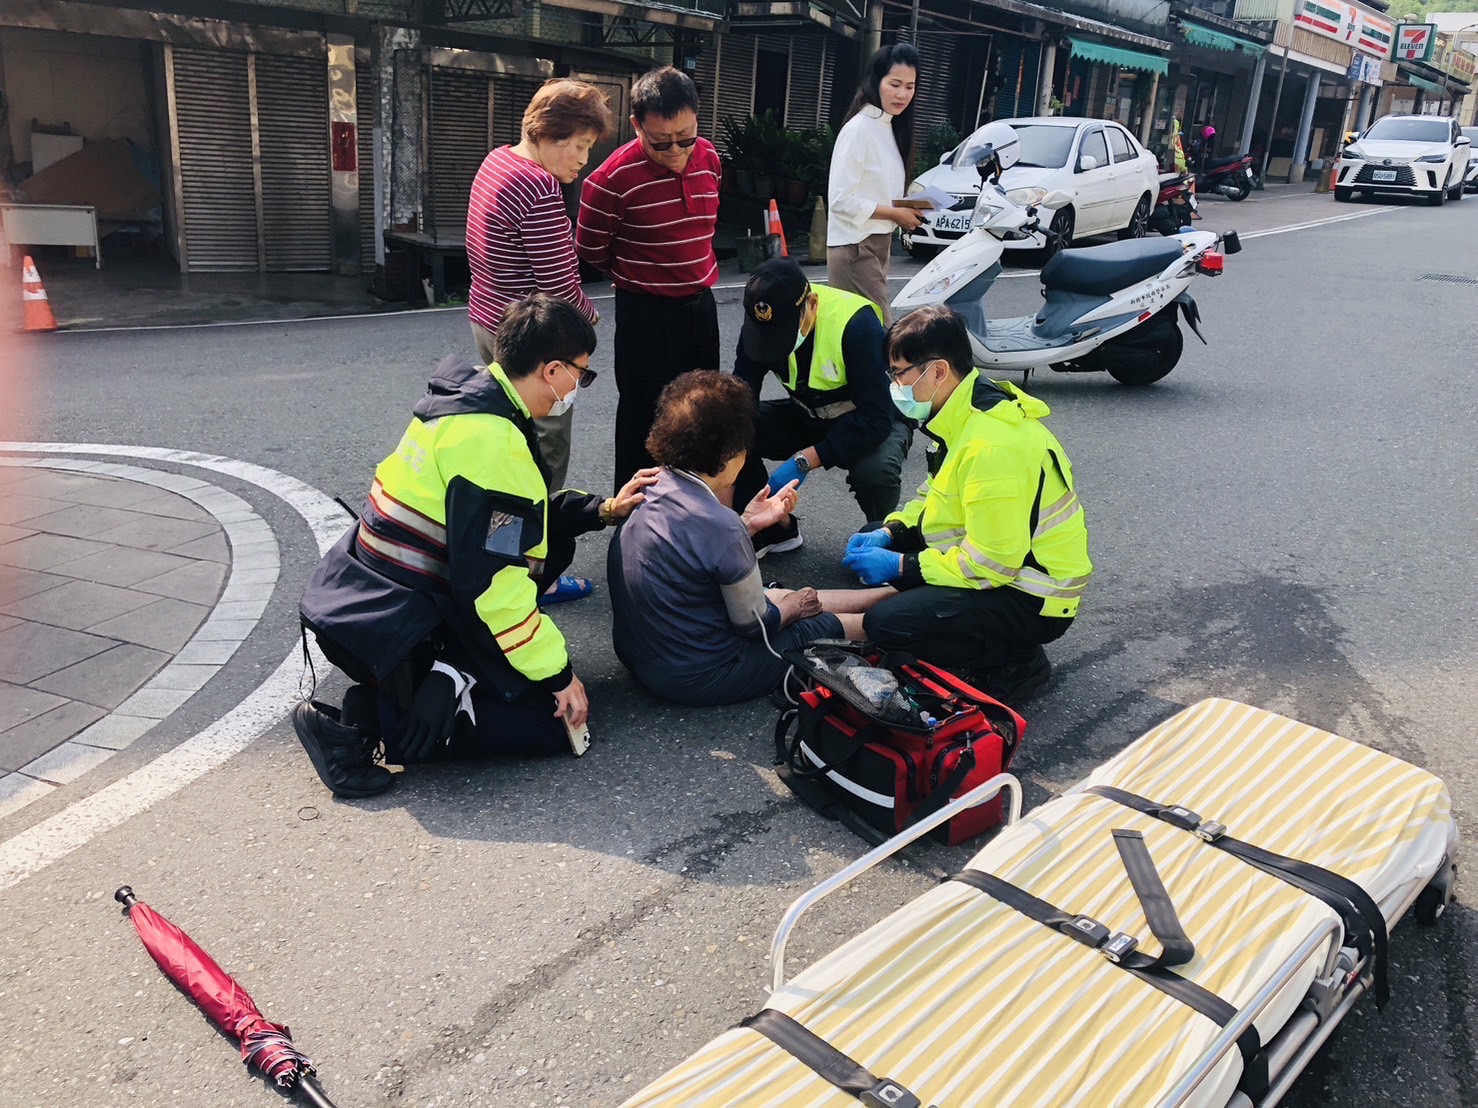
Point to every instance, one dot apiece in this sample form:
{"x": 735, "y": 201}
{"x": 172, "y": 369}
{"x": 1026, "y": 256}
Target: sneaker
{"x": 779, "y": 539}
{"x": 344, "y": 757}
{"x": 1016, "y": 683}
{"x": 361, "y": 709}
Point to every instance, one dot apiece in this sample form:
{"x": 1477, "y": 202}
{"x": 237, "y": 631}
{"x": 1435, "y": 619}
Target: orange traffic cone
{"x": 776, "y": 229}
{"x": 38, "y": 315}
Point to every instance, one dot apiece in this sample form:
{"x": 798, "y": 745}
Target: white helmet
{"x": 998, "y": 140}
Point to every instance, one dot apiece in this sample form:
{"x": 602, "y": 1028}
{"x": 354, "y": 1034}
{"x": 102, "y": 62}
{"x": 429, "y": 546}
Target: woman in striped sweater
{"x": 519, "y": 240}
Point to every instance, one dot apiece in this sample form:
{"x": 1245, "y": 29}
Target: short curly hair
{"x": 704, "y": 419}
{"x": 564, "y": 108}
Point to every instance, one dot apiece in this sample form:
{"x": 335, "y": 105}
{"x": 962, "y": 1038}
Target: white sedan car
{"x": 1113, "y": 181}
{"x": 1471, "y": 180}
{"x": 1406, "y": 155}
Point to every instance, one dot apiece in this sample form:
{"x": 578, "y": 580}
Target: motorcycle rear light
{"x": 1211, "y": 264}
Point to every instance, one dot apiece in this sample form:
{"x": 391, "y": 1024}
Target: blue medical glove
{"x": 864, "y": 539}
{"x": 786, "y": 472}
{"x": 874, "y": 565}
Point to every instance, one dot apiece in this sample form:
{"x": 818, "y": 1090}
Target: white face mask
{"x": 800, "y": 337}
{"x": 563, "y": 404}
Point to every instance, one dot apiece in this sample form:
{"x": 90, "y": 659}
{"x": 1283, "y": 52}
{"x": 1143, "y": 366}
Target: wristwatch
{"x": 802, "y": 463}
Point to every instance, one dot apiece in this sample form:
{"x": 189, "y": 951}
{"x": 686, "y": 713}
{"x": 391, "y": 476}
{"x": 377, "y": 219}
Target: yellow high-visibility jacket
{"x": 1000, "y": 511}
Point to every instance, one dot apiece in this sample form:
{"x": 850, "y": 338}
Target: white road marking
{"x": 53, "y": 838}
{"x": 1319, "y": 222}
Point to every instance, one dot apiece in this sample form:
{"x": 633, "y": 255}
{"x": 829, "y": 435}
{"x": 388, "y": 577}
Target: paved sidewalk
{"x": 104, "y": 581}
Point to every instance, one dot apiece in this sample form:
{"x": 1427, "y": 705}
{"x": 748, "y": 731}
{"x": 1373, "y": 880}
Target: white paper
{"x": 935, "y": 196}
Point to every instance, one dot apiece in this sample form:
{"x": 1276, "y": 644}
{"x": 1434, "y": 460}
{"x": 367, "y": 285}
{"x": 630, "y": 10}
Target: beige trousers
{"x": 863, "y": 268}
{"x": 554, "y": 431}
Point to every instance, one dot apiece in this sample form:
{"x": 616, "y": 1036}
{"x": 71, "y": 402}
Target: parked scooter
{"x": 1176, "y": 205}
{"x": 1112, "y": 308}
{"x": 1233, "y": 177}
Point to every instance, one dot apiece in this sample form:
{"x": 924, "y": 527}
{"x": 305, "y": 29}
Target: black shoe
{"x": 779, "y": 539}
{"x": 343, "y": 756}
{"x": 1018, "y": 682}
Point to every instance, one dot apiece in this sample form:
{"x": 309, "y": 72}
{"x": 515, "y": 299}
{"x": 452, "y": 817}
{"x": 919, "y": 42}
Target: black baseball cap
{"x": 774, "y": 297}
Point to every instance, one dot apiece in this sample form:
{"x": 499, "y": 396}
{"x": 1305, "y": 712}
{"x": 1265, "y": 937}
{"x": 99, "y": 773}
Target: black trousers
{"x": 523, "y": 725}
{"x": 782, "y": 429}
{"x": 963, "y": 628}
{"x": 658, "y": 338}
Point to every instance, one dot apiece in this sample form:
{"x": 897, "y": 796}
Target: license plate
{"x": 1384, "y": 175}
{"x": 951, "y": 221}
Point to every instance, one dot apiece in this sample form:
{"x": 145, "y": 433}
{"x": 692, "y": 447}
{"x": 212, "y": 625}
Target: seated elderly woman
{"x": 693, "y": 623}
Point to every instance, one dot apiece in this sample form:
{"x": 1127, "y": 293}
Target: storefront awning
{"x": 1423, "y": 83}
{"x": 1116, "y": 55}
{"x": 1197, "y": 35}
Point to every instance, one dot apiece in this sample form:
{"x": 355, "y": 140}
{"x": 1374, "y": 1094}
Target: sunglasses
{"x": 584, "y": 374}
{"x": 664, "y": 147}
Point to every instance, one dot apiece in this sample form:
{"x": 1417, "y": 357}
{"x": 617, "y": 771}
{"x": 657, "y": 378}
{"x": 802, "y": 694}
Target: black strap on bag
{"x": 1361, "y": 915}
{"x": 829, "y": 1063}
{"x": 1121, "y": 949}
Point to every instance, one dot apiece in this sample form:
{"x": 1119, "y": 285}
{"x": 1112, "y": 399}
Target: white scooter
{"x": 1110, "y": 308}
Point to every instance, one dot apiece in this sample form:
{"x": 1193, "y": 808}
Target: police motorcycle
{"x": 1110, "y": 308}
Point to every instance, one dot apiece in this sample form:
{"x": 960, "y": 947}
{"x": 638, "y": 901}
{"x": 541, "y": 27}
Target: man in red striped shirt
{"x": 646, "y": 218}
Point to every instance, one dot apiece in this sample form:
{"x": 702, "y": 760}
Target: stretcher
{"x": 1185, "y": 927}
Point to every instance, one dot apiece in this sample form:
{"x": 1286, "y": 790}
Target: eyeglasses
{"x": 664, "y": 147}
{"x": 895, "y": 374}
{"x": 585, "y": 375}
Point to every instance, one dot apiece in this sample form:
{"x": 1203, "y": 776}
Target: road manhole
{"x": 1449, "y": 278}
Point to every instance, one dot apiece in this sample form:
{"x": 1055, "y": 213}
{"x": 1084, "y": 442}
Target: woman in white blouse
{"x": 868, "y": 172}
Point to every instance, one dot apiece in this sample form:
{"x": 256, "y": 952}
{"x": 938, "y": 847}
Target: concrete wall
{"x": 96, "y": 84}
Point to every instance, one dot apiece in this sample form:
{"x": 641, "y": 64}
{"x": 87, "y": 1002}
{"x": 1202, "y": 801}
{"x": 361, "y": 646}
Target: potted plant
{"x": 738, "y": 142}
{"x": 770, "y": 144}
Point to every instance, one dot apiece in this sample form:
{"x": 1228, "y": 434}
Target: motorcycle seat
{"x": 1221, "y": 163}
{"x": 1104, "y": 270}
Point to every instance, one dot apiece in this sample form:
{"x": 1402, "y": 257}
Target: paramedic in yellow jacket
{"x": 430, "y": 602}
{"x": 991, "y": 558}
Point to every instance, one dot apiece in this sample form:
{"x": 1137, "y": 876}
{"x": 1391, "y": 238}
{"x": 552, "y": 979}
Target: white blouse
{"x": 866, "y": 173}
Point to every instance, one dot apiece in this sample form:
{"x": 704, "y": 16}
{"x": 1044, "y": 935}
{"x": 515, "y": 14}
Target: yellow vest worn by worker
{"x": 825, "y": 392}
{"x": 453, "y": 536}
{"x": 1000, "y": 512}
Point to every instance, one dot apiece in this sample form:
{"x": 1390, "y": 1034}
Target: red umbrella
{"x": 267, "y": 1046}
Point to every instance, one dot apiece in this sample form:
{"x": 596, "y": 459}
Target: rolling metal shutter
{"x": 366, "y": 90}
{"x": 936, "y": 81}
{"x": 297, "y": 200}
{"x": 736, "y": 77}
{"x": 218, "y": 211}
{"x": 803, "y": 108}
{"x": 1020, "y": 78}
{"x": 829, "y": 45}
{"x": 511, "y": 96}
{"x": 460, "y": 137}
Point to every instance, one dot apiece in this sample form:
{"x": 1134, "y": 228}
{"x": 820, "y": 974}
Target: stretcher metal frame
{"x": 1344, "y": 979}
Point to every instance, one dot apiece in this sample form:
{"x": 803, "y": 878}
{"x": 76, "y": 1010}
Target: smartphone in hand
{"x": 579, "y": 738}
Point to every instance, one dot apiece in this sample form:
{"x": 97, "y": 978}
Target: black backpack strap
{"x": 1119, "y": 949}
{"x": 829, "y": 1063}
{"x": 1363, "y": 920}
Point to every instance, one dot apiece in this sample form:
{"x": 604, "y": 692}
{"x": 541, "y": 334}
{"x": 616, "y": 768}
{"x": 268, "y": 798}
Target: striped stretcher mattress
{"x": 965, "y": 1001}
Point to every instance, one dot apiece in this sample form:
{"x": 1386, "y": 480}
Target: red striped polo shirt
{"x": 649, "y": 228}
{"x": 518, "y": 239}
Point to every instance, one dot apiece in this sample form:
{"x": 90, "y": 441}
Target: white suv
{"x": 1411, "y": 155}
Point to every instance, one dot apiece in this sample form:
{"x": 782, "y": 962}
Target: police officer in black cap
{"x": 826, "y": 346}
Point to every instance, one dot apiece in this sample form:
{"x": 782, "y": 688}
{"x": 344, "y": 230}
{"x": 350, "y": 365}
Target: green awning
{"x": 1423, "y": 83}
{"x": 1114, "y": 55}
{"x": 1197, "y": 35}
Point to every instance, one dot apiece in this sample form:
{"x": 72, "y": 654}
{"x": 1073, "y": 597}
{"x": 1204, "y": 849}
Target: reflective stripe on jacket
{"x": 1001, "y": 510}
{"x": 825, "y": 392}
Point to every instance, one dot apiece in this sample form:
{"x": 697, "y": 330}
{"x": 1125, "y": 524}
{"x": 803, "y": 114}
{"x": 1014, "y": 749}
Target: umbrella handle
{"x": 311, "y": 1094}
{"x": 125, "y": 897}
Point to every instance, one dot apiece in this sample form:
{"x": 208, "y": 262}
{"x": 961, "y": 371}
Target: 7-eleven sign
{"x": 1414, "y": 41}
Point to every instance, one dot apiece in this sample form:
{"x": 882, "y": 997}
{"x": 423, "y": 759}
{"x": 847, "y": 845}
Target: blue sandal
{"x": 568, "y": 588}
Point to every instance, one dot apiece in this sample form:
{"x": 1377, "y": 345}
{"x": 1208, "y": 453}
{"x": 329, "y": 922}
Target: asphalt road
{"x": 1287, "y": 519}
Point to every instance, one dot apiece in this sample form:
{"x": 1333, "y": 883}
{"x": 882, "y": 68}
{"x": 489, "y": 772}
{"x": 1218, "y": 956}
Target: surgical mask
{"x": 905, "y": 401}
{"x": 800, "y": 337}
{"x": 563, "y": 404}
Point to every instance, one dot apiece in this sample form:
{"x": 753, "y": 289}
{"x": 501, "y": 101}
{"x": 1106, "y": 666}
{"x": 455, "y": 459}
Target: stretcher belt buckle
{"x": 889, "y": 1094}
{"x": 1183, "y": 818}
{"x": 1087, "y": 931}
{"x": 1210, "y": 830}
{"x": 1119, "y": 947}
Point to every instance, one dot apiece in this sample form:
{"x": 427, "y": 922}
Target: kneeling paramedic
{"x": 990, "y": 559}
{"x": 430, "y": 602}
{"x": 826, "y": 348}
